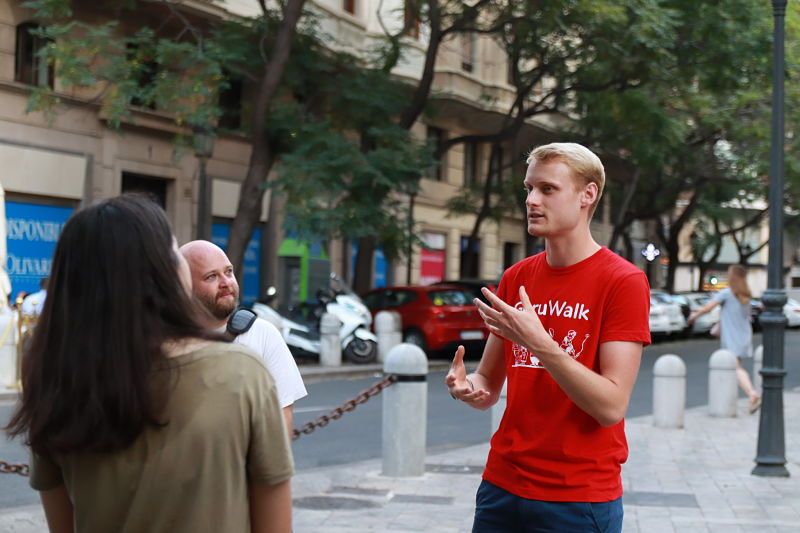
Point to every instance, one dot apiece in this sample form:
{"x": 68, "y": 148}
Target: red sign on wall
{"x": 431, "y": 268}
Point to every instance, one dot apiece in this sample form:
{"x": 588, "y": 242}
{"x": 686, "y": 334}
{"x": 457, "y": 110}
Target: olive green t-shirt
{"x": 224, "y": 428}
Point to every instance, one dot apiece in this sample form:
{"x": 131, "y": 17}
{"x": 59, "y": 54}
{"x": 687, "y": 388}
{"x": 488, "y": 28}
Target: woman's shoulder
{"x": 220, "y": 354}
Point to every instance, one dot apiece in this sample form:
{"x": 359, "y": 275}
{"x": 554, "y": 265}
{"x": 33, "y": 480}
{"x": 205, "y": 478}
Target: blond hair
{"x": 586, "y": 167}
{"x": 737, "y": 281}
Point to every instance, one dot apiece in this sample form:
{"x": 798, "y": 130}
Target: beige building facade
{"x": 50, "y": 166}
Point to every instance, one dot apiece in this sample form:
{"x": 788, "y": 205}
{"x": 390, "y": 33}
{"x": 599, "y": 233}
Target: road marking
{"x": 313, "y": 409}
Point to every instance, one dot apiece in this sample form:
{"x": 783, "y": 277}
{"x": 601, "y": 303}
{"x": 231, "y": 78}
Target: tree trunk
{"x": 362, "y": 277}
{"x": 262, "y": 156}
{"x": 626, "y": 238}
{"x": 416, "y": 105}
{"x": 622, "y": 222}
{"x": 273, "y": 238}
{"x": 248, "y": 210}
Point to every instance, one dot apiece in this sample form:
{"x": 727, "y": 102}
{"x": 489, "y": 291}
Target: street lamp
{"x": 771, "y": 454}
{"x": 203, "y": 147}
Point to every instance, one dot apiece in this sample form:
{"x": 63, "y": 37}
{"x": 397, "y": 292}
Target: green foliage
{"x": 697, "y": 126}
{"x": 344, "y": 165}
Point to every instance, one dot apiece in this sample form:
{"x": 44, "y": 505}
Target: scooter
{"x": 300, "y": 327}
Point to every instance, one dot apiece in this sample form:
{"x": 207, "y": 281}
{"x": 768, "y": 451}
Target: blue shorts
{"x": 498, "y": 511}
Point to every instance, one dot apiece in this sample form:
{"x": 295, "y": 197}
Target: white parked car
{"x": 792, "y": 311}
{"x": 704, "y": 322}
{"x": 665, "y": 318}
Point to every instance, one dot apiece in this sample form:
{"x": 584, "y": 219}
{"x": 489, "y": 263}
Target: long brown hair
{"x": 114, "y": 299}
{"x": 737, "y": 281}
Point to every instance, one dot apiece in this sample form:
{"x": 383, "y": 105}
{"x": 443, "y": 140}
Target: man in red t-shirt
{"x": 567, "y": 330}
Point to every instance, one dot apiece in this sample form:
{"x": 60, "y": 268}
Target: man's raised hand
{"x": 521, "y": 326}
{"x": 459, "y": 385}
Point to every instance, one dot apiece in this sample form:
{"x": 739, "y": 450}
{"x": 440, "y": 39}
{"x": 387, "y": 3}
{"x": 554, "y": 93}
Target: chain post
{"x": 11, "y": 468}
{"x": 348, "y": 406}
{"x": 306, "y": 429}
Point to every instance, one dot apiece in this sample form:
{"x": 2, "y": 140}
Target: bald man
{"x": 214, "y": 284}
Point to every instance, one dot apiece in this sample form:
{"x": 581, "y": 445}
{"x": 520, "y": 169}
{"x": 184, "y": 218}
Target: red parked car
{"x": 434, "y": 317}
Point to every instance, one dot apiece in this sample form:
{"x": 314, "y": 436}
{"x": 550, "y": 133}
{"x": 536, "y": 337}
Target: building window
{"x": 349, "y": 6}
{"x": 230, "y": 103}
{"x": 30, "y": 68}
{"x": 153, "y": 187}
{"x": 470, "y": 163}
{"x": 510, "y": 254}
{"x": 500, "y": 169}
{"x": 411, "y": 20}
{"x": 436, "y": 138}
{"x": 468, "y": 52}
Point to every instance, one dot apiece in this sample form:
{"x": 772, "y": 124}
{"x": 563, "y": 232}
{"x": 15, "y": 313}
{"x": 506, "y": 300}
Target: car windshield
{"x": 451, "y": 297}
{"x": 661, "y": 297}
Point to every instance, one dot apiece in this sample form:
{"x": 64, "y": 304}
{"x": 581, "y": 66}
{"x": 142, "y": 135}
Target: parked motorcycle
{"x": 300, "y": 326}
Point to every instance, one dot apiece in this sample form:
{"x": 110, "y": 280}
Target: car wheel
{"x": 415, "y": 337}
{"x": 361, "y": 351}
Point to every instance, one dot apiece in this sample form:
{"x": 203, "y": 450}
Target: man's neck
{"x": 567, "y": 250}
{"x": 216, "y": 325}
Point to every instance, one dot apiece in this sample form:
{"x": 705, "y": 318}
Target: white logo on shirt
{"x": 523, "y": 358}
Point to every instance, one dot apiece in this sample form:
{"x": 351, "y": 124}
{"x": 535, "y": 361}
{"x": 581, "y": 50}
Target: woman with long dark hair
{"x": 735, "y": 330}
{"x": 138, "y": 419}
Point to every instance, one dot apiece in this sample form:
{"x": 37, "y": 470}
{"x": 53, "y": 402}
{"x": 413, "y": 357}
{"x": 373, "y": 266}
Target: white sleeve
{"x": 267, "y": 342}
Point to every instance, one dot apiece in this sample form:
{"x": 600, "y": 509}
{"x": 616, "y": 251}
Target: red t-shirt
{"x": 546, "y": 447}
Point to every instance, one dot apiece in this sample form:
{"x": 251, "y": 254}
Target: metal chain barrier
{"x": 10, "y": 468}
{"x": 306, "y": 429}
{"x": 346, "y": 407}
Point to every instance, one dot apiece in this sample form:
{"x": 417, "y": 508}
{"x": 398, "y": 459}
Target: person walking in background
{"x": 137, "y": 418}
{"x": 567, "y": 329}
{"x": 215, "y": 286}
{"x": 736, "y": 331}
{"x": 33, "y": 304}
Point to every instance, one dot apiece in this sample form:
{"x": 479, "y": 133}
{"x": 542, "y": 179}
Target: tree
{"x": 703, "y": 118}
{"x": 557, "y": 51}
{"x": 441, "y": 20}
{"x": 180, "y": 68}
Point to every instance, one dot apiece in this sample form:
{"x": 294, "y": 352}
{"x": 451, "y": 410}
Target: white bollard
{"x": 330, "y": 343}
{"x": 722, "y": 384}
{"x": 405, "y": 412}
{"x": 499, "y": 409}
{"x": 758, "y": 363}
{"x": 8, "y": 348}
{"x": 388, "y": 331}
{"x": 669, "y": 391}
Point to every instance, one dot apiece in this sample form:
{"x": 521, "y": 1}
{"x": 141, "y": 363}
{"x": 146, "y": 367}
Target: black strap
{"x": 240, "y": 322}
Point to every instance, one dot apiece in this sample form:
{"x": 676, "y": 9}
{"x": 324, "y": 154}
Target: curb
{"x": 8, "y": 395}
{"x": 317, "y": 373}
{"x": 311, "y": 374}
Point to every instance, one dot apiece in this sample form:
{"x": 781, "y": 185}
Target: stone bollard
{"x": 499, "y": 409}
{"x": 330, "y": 343}
{"x": 669, "y": 391}
{"x": 388, "y": 331}
{"x": 722, "y": 385}
{"x": 405, "y": 412}
{"x": 758, "y": 362}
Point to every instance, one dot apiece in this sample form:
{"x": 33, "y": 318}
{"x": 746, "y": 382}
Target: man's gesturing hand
{"x": 521, "y": 326}
{"x": 459, "y": 385}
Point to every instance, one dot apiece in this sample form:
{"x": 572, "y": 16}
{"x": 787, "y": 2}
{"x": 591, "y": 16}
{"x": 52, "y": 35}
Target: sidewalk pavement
{"x": 695, "y": 479}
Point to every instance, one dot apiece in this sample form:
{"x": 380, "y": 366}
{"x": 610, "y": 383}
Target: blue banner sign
{"x": 380, "y": 266}
{"x": 250, "y": 281}
{"x": 32, "y": 231}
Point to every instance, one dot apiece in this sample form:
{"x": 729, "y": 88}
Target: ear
{"x": 589, "y": 194}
